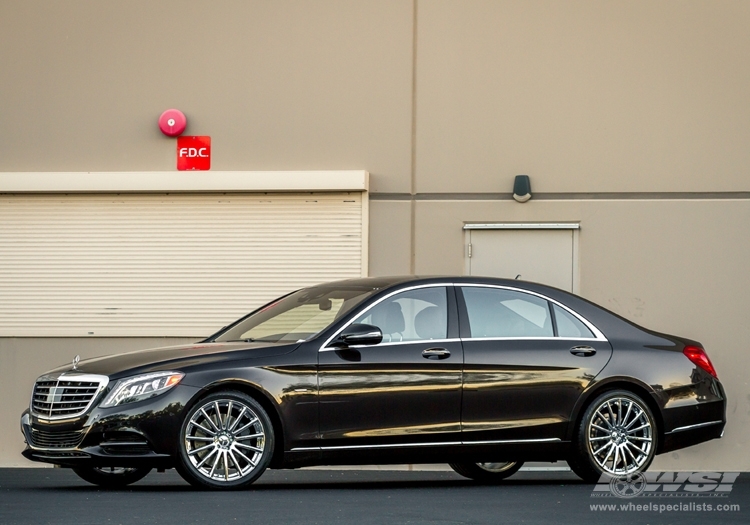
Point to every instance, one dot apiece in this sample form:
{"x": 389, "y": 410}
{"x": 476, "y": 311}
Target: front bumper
{"x": 142, "y": 434}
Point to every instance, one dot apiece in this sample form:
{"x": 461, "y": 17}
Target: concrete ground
{"x": 361, "y": 497}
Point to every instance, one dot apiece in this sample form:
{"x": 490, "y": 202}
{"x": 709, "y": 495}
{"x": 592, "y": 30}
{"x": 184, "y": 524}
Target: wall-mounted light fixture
{"x": 522, "y": 188}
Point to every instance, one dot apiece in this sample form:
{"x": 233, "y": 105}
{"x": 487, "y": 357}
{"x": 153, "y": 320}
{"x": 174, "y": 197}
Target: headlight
{"x": 141, "y": 387}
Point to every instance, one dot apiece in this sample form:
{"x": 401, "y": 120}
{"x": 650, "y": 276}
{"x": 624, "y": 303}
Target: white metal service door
{"x": 544, "y": 256}
{"x": 166, "y": 265}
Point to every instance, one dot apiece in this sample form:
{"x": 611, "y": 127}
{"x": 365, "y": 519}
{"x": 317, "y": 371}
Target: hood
{"x": 175, "y": 358}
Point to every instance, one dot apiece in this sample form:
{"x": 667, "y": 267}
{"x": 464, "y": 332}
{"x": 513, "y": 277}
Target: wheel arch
{"x": 262, "y": 397}
{"x": 620, "y": 383}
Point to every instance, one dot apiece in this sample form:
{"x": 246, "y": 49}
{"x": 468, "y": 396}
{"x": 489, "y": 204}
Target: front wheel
{"x": 111, "y": 477}
{"x": 487, "y": 472}
{"x": 617, "y": 436}
{"x": 226, "y": 441}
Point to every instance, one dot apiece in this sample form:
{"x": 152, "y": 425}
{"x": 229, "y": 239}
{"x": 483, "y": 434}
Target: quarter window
{"x": 569, "y": 325}
{"x": 494, "y": 312}
{"x": 414, "y": 315}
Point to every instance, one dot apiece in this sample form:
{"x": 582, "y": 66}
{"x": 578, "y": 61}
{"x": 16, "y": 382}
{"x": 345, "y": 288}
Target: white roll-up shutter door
{"x": 166, "y": 265}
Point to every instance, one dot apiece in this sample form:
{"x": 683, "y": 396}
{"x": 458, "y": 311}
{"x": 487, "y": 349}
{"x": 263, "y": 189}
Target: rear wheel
{"x": 617, "y": 436}
{"x": 111, "y": 477}
{"x": 487, "y": 472}
{"x": 226, "y": 441}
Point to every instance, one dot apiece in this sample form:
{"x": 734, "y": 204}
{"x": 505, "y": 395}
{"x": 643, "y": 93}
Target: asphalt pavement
{"x": 360, "y": 497}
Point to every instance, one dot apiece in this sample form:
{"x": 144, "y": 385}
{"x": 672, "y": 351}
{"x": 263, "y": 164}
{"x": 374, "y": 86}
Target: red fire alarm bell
{"x": 172, "y": 122}
{"x": 193, "y": 153}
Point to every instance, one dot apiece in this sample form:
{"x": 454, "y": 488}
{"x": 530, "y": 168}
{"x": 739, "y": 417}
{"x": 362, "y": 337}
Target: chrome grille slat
{"x": 66, "y": 396}
{"x": 44, "y": 439}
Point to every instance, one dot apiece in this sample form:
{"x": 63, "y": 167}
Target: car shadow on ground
{"x": 348, "y": 485}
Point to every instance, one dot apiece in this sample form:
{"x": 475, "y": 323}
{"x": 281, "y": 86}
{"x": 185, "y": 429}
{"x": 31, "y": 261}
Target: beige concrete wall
{"x": 390, "y": 238}
{"x": 583, "y": 95}
{"x": 674, "y": 266}
{"x": 291, "y": 85}
{"x": 22, "y": 360}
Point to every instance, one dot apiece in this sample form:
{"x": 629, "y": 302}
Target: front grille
{"x": 45, "y": 439}
{"x": 65, "y": 397}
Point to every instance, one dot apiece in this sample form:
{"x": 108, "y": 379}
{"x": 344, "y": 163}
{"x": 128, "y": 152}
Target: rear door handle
{"x": 582, "y": 351}
{"x": 436, "y": 353}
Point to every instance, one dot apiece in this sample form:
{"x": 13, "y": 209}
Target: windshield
{"x": 298, "y": 316}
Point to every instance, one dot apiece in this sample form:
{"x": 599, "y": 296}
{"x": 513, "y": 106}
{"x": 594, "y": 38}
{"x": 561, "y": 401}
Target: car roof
{"x": 406, "y": 280}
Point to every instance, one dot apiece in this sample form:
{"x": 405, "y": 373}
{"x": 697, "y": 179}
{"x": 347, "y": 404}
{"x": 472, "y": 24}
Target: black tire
{"x": 607, "y": 430}
{"x": 227, "y": 451}
{"x": 487, "y": 472}
{"x": 111, "y": 477}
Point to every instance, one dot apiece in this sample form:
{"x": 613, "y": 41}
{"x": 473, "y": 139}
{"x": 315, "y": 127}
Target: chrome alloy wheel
{"x": 225, "y": 440}
{"x": 620, "y": 436}
{"x": 497, "y": 467}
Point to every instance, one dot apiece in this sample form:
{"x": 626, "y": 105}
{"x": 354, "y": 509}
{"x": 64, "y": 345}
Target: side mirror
{"x": 359, "y": 334}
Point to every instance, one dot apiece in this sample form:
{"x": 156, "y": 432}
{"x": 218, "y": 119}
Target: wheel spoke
{"x": 243, "y": 456}
{"x": 637, "y": 416}
{"x": 601, "y": 416}
{"x": 239, "y": 417}
{"x": 627, "y": 413}
{"x": 601, "y": 429}
{"x": 609, "y": 409}
{"x": 640, "y": 438}
{"x": 200, "y": 449}
{"x": 599, "y": 438}
{"x": 647, "y": 425}
{"x": 251, "y": 436}
{"x": 210, "y": 421}
{"x": 204, "y": 429}
{"x": 200, "y": 464}
{"x": 199, "y": 438}
{"x": 229, "y": 415}
{"x": 226, "y": 466}
{"x": 596, "y": 452}
{"x": 217, "y": 408}
{"x": 234, "y": 460}
{"x": 213, "y": 468}
{"x": 637, "y": 448}
{"x": 248, "y": 447}
{"x": 612, "y": 448}
{"x": 617, "y": 457}
{"x": 635, "y": 461}
{"x": 246, "y": 426}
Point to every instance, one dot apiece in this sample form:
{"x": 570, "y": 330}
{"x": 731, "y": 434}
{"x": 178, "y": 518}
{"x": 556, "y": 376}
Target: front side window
{"x": 414, "y": 315}
{"x": 495, "y": 312}
{"x": 298, "y": 316}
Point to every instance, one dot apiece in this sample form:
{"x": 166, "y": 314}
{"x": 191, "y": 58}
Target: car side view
{"x": 480, "y": 373}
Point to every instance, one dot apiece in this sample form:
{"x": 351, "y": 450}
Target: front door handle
{"x": 582, "y": 351}
{"x": 436, "y": 353}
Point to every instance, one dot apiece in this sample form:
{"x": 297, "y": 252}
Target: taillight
{"x": 698, "y": 356}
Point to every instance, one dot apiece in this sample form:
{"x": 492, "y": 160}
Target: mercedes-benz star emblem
{"x": 76, "y": 359}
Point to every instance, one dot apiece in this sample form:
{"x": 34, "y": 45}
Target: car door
{"x": 527, "y": 361}
{"x": 405, "y": 390}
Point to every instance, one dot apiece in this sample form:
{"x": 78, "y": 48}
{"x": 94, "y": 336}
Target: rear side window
{"x": 569, "y": 325}
{"x": 494, "y": 312}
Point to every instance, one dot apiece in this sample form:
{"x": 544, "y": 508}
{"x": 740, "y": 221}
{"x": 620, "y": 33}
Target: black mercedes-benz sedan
{"x": 479, "y": 373}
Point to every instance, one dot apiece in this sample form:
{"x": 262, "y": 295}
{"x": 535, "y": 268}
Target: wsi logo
{"x": 666, "y": 485}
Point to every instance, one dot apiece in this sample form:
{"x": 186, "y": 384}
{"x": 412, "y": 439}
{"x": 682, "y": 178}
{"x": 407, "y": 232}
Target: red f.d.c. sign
{"x": 193, "y": 153}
